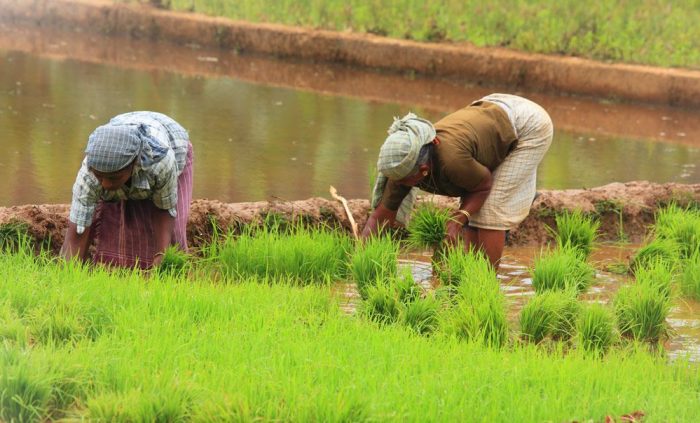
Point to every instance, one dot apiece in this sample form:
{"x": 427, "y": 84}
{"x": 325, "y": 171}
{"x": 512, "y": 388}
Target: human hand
{"x": 453, "y": 235}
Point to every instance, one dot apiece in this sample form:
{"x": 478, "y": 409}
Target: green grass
{"x": 690, "y": 278}
{"x": 167, "y": 348}
{"x": 658, "y": 276}
{"x": 595, "y": 328}
{"x": 577, "y": 231}
{"x": 651, "y": 32}
{"x": 561, "y": 269}
{"x": 174, "y": 261}
{"x": 427, "y": 226}
{"x": 13, "y": 235}
{"x": 382, "y": 304}
{"x": 552, "y": 314}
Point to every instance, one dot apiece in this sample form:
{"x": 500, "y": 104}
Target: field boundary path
{"x": 479, "y": 66}
{"x": 625, "y": 210}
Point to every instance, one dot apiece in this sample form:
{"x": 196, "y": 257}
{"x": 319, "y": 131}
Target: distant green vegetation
{"x": 655, "y": 32}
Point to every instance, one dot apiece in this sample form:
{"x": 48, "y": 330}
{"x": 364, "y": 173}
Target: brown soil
{"x": 460, "y": 62}
{"x": 631, "y": 205}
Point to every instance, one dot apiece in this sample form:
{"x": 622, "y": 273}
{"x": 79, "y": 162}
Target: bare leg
{"x": 492, "y": 242}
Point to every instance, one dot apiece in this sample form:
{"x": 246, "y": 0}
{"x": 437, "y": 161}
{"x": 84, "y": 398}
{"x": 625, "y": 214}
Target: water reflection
{"x": 264, "y": 142}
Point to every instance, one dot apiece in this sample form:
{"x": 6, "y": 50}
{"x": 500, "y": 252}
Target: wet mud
{"x": 625, "y": 211}
{"x": 460, "y": 62}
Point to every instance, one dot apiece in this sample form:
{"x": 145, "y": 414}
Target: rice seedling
{"x": 174, "y": 261}
{"x": 406, "y": 288}
{"x": 373, "y": 260}
{"x": 186, "y": 351}
{"x": 481, "y": 319}
{"x": 458, "y": 266}
{"x": 13, "y": 235}
{"x": 561, "y": 269}
{"x": 549, "y": 314}
{"x": 681, "y": 226}
{"x": 657, "y": 275}
{"x": 305, "y": 256}
{"x": 422, "y": 315}
{"x": 427, "y": 226}
{"x": 577, "y": 231}
{"x": 690, "y": 278}
{"x": 659, "y": 249}
{"x": 595, "y": 328}
{"x": 641, "y": 312}
{"x": 382, "y": 304}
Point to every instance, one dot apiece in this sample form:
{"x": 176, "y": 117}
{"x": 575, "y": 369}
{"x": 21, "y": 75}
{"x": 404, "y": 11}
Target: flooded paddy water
{"x": 266, "y": 129}
{"x": 516, "y": 285}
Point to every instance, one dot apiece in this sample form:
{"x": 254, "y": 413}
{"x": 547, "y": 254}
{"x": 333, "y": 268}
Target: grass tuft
{"x": 577, "y": 231}
{"x": 382, "y": 305}
{"x": 690, "y": 278}
{"x": 641, "y": 312}
{"x": 550, "y": 314}
{"x": 665, "y": 250}
{"x": 422, "y": 315}
{"x": 595, "y": 328}
{"x": 373, "y": 260}
{"x": 561, "y": 269}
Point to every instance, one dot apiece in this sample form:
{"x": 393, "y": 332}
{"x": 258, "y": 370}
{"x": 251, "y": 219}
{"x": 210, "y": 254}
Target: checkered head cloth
{"x": 111, "y": 148}
{"x": 399, "y": 153}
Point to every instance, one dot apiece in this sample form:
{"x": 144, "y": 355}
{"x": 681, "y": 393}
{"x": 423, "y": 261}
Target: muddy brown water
{"x": 266, "y": 129}
{"x": 516, "y": 284}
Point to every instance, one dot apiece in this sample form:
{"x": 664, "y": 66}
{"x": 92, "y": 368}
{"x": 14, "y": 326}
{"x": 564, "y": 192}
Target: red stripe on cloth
{"x": 123, "y": 230}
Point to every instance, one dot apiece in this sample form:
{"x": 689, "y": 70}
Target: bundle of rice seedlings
{"x": 174, "y": 261}
{"x": 459, "y": 266}
{"x": 406, "y": 287}
{"x": 577, "y": 231}
{"x": 680, "y": 225}
{"x": 657, "y": 275}
{"x": 690, "y": 278}
{"x": 595, "y": 328}
{"x": 382, "y": 304}
{"x": 641, "y": 312}
{"x": 427, "y": 226}
{"x": 550, "y": 314}
{"x": 373, "y": 260}
{"x": 561, "y": 269}
{"x": 482, "y": 321}
{"x": 422, "y": 315}
{"x": 660, "y": 249}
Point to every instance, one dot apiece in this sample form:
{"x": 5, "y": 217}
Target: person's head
{"x": 405, "y": 154}
{"x": 111, "y": 154}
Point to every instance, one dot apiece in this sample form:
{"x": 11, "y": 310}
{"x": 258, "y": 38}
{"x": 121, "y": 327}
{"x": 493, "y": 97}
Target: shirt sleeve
{"x": 86, "y": 192}
{"x": 165, "y": 188}
{"x": 393, "y": 195}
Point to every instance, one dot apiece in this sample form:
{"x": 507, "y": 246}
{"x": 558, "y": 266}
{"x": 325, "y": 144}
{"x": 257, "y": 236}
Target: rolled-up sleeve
{"x": 86, "y": 192}
{"x": 165, "y": 188}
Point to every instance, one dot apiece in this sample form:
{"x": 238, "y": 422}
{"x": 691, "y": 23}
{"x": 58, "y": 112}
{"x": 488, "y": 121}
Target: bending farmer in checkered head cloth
{"x": 486, "y": 154}
{"x": 133, "y": 191}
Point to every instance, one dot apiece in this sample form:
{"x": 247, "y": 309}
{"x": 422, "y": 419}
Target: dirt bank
{"x": 623, "y": 209}
{"x": 460, "y": 62}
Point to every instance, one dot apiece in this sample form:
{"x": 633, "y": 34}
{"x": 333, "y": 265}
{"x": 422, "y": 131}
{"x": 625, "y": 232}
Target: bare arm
{"x": 380, "y": 216}
{"x": 163, "y": 225}
{"x": 471, "y": 203}
{"x": 75, "y": 244}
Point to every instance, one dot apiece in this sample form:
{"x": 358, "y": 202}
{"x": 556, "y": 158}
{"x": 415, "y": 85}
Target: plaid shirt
{"x": 157, "y": 181}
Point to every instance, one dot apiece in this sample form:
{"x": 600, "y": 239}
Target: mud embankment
{"x": 624, "y": 210}
{"x": 460, "y": 62}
